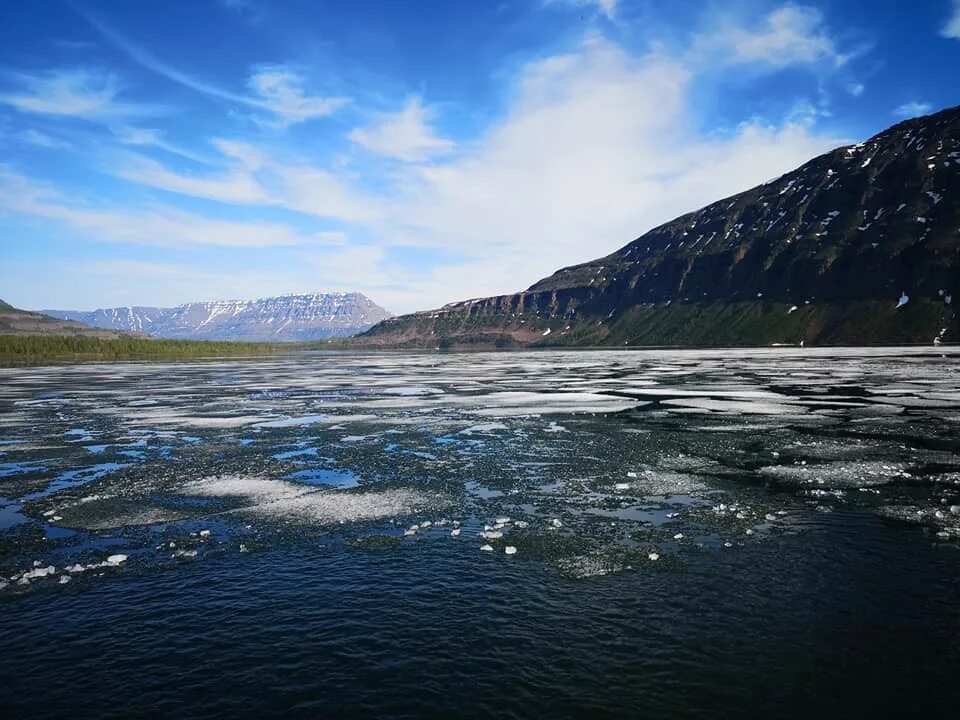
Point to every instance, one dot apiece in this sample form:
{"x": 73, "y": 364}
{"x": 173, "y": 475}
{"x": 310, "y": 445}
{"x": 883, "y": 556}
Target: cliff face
{"x": 825, "y": 253}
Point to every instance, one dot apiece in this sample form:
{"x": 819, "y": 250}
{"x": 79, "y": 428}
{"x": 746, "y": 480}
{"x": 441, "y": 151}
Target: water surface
{"x": 696, "y": 534}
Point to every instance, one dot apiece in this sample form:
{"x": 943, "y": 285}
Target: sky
{"x": 422, "y": 152}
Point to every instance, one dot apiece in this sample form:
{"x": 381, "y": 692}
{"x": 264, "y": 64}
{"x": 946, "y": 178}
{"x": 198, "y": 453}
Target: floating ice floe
{"x": 736, "y": 407}
{"x": 279, "y": 499}
{"x": 487, "y": 548}
{"x": 654, "y": 556}
{"x": 37, "y": 572}
{"x": 455, "y": 532}
{"x": 621, "y": 487}
{"x": 838, "y": 475}
{"x": 510, "y": 550}
{"x": 904, "y": 299}
{"x": 116, "y": 559}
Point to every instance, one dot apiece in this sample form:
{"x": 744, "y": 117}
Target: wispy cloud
{"x": 71, "y": 92}
{"x": 405, "y": 135}
{"x": 277, "y": 90}
{"x": 607, "y": 7}
{"x": 280, "y": 91}
{"x": 952, "y": 28}
{"x": 151, "y": 137}
{"x": 159, "y": 226}
{"x": 37, "y": 138}
{"x": 788, "y": 35}
{"x": 254, "y": 176}
{"x": 912, "y": 109}
{"x": 235, "y": 187}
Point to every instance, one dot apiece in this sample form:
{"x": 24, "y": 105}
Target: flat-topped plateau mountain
{"x": 294, "y": 318}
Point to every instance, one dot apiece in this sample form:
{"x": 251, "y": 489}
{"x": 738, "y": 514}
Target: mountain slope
{"x": 14, "y": 321}
{"x": 285, "y": 318}
{"x": 821, "y": 254}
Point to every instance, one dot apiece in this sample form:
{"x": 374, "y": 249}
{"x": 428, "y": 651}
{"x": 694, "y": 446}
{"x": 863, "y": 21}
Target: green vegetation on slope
{"x": 708, "y": 324}
{"x": 34, "y": 348}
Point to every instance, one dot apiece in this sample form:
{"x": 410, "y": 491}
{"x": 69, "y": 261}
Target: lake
{"x": 661, "y": 534}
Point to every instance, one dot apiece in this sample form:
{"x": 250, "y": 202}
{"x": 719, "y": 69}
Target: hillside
{"x": 14, "y": 321}
{"x": 858, "y": 246}
{"x": 288, "y": 318}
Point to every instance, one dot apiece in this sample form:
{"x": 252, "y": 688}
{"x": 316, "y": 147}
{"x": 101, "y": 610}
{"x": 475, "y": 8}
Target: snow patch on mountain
{"x": 293, "y": 318}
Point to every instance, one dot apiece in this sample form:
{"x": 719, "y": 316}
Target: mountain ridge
{"x": 808, "y": 256}
{"x": 15, "y": 321}
{"x": 295, "y": 317}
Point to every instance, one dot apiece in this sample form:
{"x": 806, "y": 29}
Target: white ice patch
{"x": 750, "y": 407}
{"x": 278, "y": 499}
{"x": 301, "y": 421}
{"x": 838, "y": 474}
{"x": 505, "y": 404}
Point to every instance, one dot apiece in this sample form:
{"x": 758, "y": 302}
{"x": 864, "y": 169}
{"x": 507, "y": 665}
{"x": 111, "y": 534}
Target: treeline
{"x": 76, "y": 347}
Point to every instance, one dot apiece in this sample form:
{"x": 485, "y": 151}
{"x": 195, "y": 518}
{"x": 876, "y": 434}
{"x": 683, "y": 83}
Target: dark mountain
{"x": 285, "y": 318}
{"x": 14, "y": 321}
{"x": 860, "y": 245}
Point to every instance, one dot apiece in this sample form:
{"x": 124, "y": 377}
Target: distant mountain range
{"x": 293, "y": 318}
{"x": 860, "y": 245}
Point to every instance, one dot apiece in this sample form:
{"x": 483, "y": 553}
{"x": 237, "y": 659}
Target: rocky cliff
{"x": 860, "y": 245}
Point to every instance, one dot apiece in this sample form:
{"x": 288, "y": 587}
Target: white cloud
{"x": 159, "y": 226}
{"x": 277, "y": 89}
{"x": 138, "y": 136}
{"x": 607, "y": 7}
{"x": 595, "y": 147}
{"x": 913, "y": 109}
{"x": 598, "y": 147}
{"x": 234, "y": 186}
{"x": 952, "y": 28}
{"x": 788, "y": 35}
{"x": 37, "y": 138}
{"x": 255, "y": 177}
{"x": 405, "y": 135}
{"x": 72, "y": 92}
{"x": 280, "y": 91}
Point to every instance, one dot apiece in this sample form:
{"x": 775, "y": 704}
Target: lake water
{"x": 552, "y": 534}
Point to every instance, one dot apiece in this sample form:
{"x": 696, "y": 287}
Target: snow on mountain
{"x": 298, "y": 317}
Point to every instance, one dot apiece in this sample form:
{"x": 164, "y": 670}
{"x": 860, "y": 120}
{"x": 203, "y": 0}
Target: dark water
{"x": 843, "y": 599}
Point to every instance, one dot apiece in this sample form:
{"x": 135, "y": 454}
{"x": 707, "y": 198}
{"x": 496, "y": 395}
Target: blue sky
{"x": 420, "y": 152}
